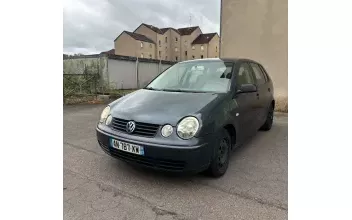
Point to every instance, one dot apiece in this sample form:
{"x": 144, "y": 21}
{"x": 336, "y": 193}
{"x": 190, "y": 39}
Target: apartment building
{"x": 171, "y": 44}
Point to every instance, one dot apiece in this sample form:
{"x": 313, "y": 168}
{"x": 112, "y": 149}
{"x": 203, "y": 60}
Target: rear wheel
{"x": 220, "y": 161}
{"x": 269, "y": 120}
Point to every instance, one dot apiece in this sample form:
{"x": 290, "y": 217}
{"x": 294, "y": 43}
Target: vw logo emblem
{"x": 130, "y": 126}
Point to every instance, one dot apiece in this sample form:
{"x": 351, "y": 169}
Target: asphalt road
{"x": 97, "y": 186}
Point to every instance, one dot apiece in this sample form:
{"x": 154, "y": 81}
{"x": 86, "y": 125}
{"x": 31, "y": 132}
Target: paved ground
{"x": 97, "y": 186}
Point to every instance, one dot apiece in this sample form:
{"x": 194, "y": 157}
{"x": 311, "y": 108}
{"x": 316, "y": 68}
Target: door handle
{"x": 257, "y": 95}
{"x": 269, "y": 89}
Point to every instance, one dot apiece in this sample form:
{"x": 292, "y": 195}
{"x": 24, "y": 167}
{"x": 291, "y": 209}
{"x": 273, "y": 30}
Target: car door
{"x": 264, "y": 93}
{"x": 246, "y": 102}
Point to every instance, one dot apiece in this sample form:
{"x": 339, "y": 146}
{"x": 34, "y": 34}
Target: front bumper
{"x": 186, "y": 158}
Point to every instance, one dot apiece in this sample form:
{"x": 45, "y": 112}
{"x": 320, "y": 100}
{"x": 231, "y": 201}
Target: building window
{"x": 150, "y": 45}
{"x": 216, "y": 56}
{"x": 216, "y": 49}
{"x": 159, "y": 43}
{"x": 150, "y": 56}
{"x": 176, "y": 39}
{"x": 165, "y": 57}
{"x": 176, "y": 49}
{"x": 193, "y": 47}
{"x": 185, "y": 53}
{"x": 165, "y": 48}
{"x": 159, "y": 54}
{"x": 193, "y": 57}
{"x": 201, "y": 56}
{"x": 176, "y": 58}
{"x": 202, "y": 48}
{"x": 142, "y": 55}
{"x": 141, "y": 44}
{"x": 185, "y": 42}
{"x": 165, "y": 39}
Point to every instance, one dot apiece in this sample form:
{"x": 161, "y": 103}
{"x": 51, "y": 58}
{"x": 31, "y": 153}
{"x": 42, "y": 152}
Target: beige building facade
{"x": 136, "y": 45}
{"x": 257, "y": 30}
{"x": 170, "y": 44}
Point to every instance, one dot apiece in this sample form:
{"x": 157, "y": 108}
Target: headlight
{"x": 167, "y": 130}
{"x": 188, "y": 127}
{"x": 108, "y": 120}
{"x": 105, "y": 114}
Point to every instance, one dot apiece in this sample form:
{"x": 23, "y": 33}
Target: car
{"x": 190, "y": 117}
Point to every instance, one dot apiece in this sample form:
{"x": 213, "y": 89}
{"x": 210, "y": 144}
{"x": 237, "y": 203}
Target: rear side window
{"x": 265, "y": 73}
{"x": 259, "y": 75}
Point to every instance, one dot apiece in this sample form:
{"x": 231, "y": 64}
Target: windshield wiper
{"x": 172, "y": 90}
{"x": 180, "y": 90}
{"x": 151, "y": 88}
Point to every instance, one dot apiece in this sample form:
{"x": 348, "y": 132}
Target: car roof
{"x": 234, "y": 60}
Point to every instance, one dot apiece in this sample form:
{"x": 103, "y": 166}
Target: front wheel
{"x": 220, "y": 161}
{"x": 269, "y": 120}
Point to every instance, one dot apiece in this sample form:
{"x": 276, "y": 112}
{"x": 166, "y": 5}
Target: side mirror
{"x": 246, "y": 88}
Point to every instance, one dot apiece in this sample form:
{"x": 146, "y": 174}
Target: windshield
{"x": 195, "y": 76}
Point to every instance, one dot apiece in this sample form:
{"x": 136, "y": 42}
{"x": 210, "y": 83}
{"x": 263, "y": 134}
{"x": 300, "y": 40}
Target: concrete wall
{"x": 257, "y": 30}
{"x": 164, "y": 67}
{"x": 117, "y": 72}
{"x": 123, "y": 71}
{"x": 90, "y": 64}
{"x": 125, "y": 45}
{"x": 147, "y": 72}
{"x": 122, "y": 74}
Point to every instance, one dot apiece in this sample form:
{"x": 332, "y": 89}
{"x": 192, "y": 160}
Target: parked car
{"x": 190, "y": 117}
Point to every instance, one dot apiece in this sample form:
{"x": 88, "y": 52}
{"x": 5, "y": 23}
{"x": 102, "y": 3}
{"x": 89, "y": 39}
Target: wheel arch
{"x": 230, "y": 128}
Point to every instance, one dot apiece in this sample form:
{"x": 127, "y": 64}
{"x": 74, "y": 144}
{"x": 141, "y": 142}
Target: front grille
{"x": 142, "y": 129}
{"x": 143, "y": 160}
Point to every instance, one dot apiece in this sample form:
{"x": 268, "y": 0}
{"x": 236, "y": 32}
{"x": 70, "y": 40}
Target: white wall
{"x": 257, "y": 30}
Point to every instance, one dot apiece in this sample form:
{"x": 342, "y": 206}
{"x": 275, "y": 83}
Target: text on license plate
{"x": 131, "y": 148}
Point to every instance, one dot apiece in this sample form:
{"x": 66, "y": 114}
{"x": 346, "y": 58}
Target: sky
{"x": 90, "y": 26}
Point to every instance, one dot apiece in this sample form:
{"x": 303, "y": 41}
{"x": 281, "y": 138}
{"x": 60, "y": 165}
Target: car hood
{"x": 161, "y": 107}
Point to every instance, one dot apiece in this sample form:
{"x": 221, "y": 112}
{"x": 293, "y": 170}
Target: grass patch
{"x": 81, "y": 99}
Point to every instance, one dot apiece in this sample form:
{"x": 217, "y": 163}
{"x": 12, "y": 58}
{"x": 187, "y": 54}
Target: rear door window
{"x": 244, "y": 75}
{"x": 259, "y": 75}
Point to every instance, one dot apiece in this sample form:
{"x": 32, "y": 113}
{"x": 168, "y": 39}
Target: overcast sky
{"x": 90, "y": 26}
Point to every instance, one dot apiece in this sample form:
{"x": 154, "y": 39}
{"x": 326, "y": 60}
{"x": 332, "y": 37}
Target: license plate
{"x": 131, "y": 148}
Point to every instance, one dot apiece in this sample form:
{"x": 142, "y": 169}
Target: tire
{"x": 269, "y": 120}
{"x": 221, "y": 157}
